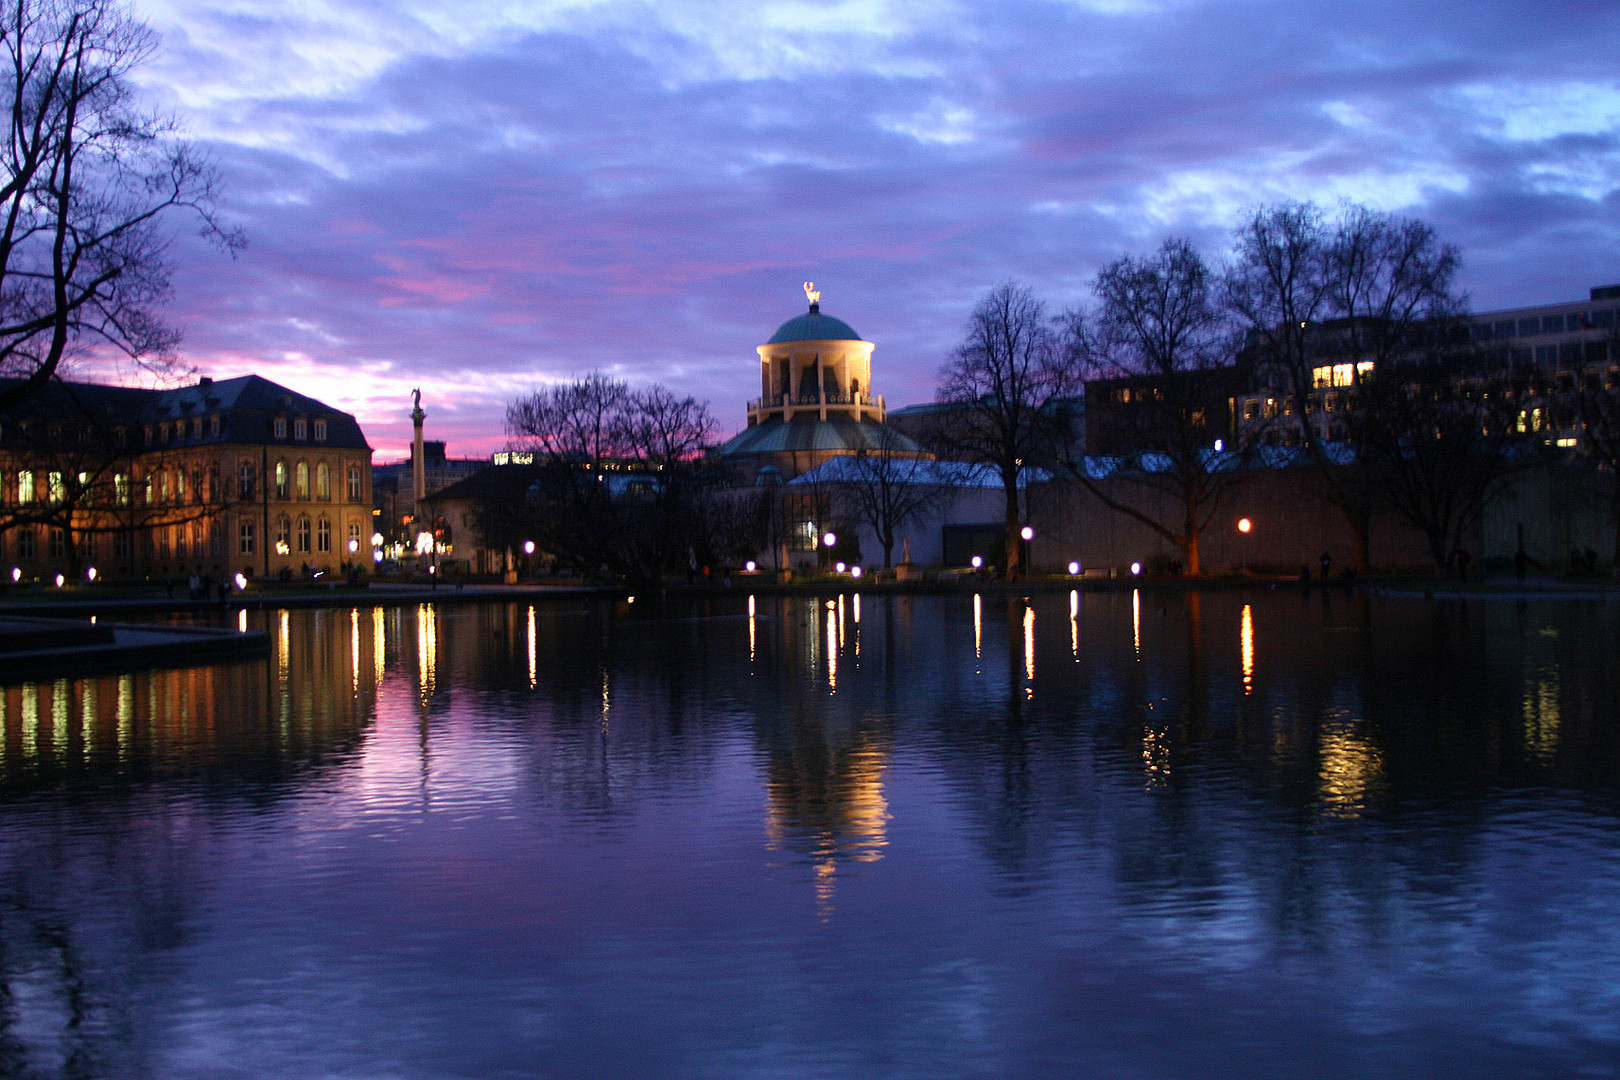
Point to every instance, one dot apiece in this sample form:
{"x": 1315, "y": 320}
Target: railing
{"x": 831, "y": 398}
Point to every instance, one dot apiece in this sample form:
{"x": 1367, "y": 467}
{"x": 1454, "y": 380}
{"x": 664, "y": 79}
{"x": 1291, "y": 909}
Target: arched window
{"x": 301, "y": 480}
{"x": 244, "y": 480}
{"x": 281, "y": 479}
{"x": 354, "y": 483}
{"x": 323, "y": 536}
{"x": 303, "y": 535}
{"x": 283, "y": 535}
{"x": 323, "y": 482}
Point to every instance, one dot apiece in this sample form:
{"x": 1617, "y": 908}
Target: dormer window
{"x": 280, "y": 427}
{"x": 320, "y": 431}
{"x": 300, "y": 429}
{"x": 213, "y": 425}
{"x": 196, "y": 427}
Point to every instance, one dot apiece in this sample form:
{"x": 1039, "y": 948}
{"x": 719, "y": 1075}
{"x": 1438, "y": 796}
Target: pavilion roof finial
{"x": 812, "y": 294}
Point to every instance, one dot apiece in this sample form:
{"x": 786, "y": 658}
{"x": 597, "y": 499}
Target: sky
{"x": 483, "y": 197}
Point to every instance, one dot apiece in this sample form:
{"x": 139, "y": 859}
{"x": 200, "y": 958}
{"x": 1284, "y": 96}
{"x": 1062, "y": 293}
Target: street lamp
{"x": 1244, "y": 527}
{"x": 1026, "y": 534}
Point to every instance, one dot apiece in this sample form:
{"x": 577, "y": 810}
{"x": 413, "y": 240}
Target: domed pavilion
{"x": 816, "y": 400}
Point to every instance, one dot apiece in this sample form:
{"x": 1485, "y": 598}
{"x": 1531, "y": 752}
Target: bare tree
{"x": 888, "y": 488}
{"x": 1326, "y": 302}
{"x": 1160, "y": 343}
{"x": 1437, "y": 445}
{"x": 616, "y": 491}
{"x": 1005, "y": 378}
{"x": 86, "y": 180}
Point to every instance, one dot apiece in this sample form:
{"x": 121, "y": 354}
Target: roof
{"x": 955, "y": 474}
{"x": 814, "y": 326}
{"x": 839, "y": 433}
{"x": 247, "y": 406}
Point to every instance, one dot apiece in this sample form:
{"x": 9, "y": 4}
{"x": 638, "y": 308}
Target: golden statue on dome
{"x": 811, "y": 293}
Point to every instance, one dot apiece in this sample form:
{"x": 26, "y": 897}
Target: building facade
{"x": 239, "y": 475}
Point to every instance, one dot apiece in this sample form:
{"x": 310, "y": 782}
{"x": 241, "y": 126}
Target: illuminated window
{"x": 301, "y": 480}
{"x": 25, "y": 485}
{"x": 323, "y": 482}
{"x": 56, "y": 487}
{"x": 281, "y": 479}
{"x": 180, "y": 485}
{"x": 121, "y": 488}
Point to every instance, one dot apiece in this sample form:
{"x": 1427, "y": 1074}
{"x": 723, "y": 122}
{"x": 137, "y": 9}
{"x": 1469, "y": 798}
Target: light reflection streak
{"x": 378, "y": 642}
{"x": 1247, "y": 634}
{"x": 87, "y": 714}
{"x": 1074, "y": 622}
{"x": 534, "y": 667}
{"x": 61, "y": 711}
{"x": 832, "y": 650}
{"x": 241, "y": 621}
{"x": 1541, "y": 716}
{"x": 840, "y": 621}
{"x": 857, "y": 604}
{"x": 753, "y": 639}
{"x": 1136, "y": 621}
{"x": 126, "y": 713}
{"x": 978, "y": 626}
{"x": 30, "y": 719}
{"x": 427, "y": 647}
{"x": 1351, "y": 771}
{"x": 1029, "y": 643}
{"x": 354, "y": 650}
{"x": 283, "y": 647}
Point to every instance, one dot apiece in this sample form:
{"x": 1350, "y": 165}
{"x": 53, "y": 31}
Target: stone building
{"x": 239, "y": 475}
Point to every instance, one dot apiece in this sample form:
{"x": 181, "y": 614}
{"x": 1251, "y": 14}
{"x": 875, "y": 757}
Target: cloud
{"x": 478, "y": 198}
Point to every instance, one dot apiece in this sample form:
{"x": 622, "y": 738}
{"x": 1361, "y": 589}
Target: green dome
{"x": 814, "y": 327}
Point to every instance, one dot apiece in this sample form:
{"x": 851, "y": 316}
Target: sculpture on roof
{"x": 811, "y": 293}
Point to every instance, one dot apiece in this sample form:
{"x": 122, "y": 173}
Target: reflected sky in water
{"x": 1129, "y": 834}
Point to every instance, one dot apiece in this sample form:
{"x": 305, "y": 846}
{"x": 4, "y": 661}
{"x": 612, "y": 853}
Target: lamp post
{"x": 1025, "y": 535}
{"x": 1244, "y": 526}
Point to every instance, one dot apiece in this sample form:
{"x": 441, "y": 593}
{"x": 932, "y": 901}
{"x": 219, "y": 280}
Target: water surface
{"x": 1117, "y": 835}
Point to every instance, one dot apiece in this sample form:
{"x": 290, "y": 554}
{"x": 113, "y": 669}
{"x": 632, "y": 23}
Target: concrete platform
{"x": 32, "y": 648}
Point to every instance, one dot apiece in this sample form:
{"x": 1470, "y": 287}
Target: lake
{"x": 1144, "y": 834}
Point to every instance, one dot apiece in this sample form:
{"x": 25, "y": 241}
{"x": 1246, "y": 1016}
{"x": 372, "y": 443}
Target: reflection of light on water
{"x": 1542, "y": 717}
{"x": 283, "y": 646}
{"x": 840, "y": 620}
{"x": 836, "y": 808}
{"x": 1074, "y": 622}
{"x": 607, "y": 699}
{"x": 1247, "y": 636}
{"x": 1029, "y": 643}
{"x": 534, "y": 666}
{"x": 1155, "y": 756}
{"x": 1136, "y": 621}
{"x": 978, "y": 626}
{"x": 832, "y": 649}
{"x": 856, "y": 600}
{"x": 126, "y": 713}
{"x": 61, "y": 713}
{"x": 427, "y": 647}
{"x": 30, "y": 719}
{"x": 87, "y": 715}
{"x": 752, "y": 630}
{"x": 1351, "y": 769}
{"x": 378, "y": 639}
{"x": 354, "y": 650}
